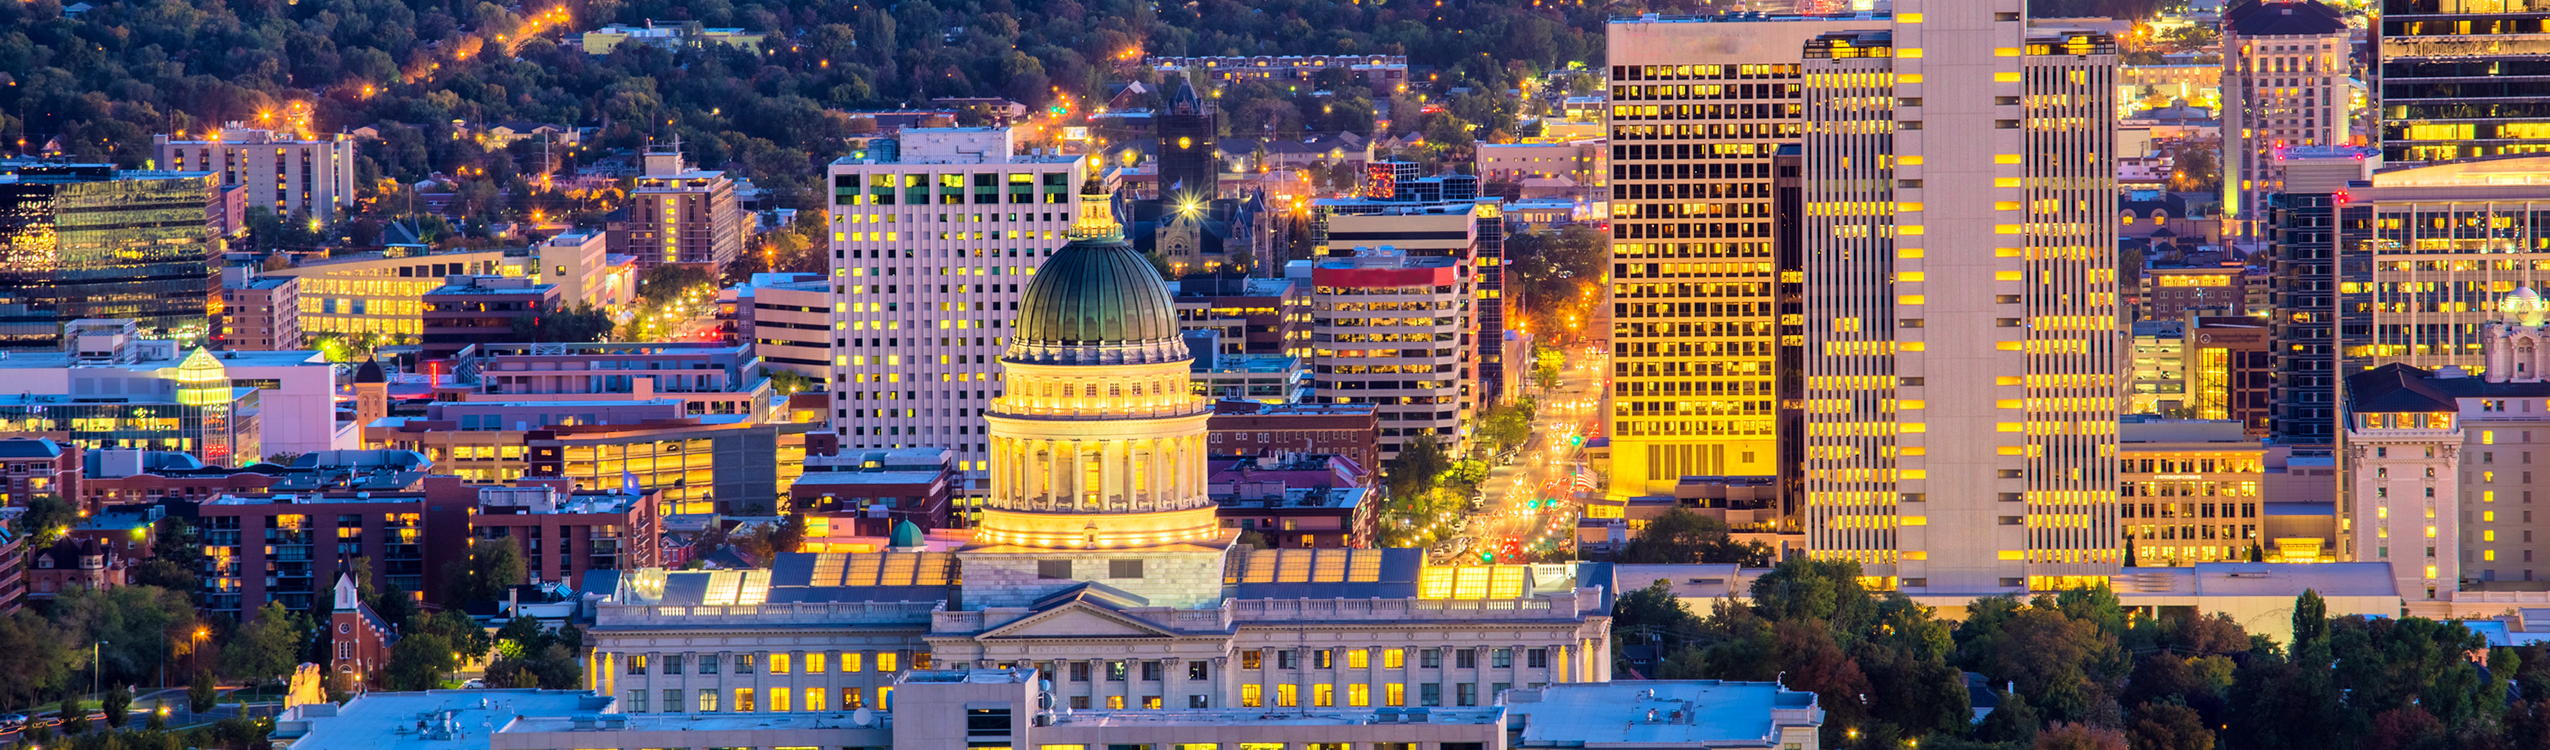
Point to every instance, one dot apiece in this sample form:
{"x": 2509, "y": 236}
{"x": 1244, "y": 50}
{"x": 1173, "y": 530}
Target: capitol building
{"x": 1099, "y": 562}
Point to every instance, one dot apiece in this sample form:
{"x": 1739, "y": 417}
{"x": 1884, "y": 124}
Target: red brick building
{"x": 277, "y": 546}
{"x": 864, "y": 492}
{"x": 37, "y": 466}
{"x": 359, "y": 640}
{"x": 74, "y": 563}
{"x": 480, "y": 310}
{"x": 1248, "y": 428}
{"x": 1300, "y": 501}
{"x": 563, "y": 533}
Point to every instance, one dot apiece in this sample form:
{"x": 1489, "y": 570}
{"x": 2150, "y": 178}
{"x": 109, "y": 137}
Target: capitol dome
{"x": 1096, "y": 301}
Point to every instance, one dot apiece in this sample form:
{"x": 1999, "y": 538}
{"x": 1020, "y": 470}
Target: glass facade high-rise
{"x": 2459, "y": 79}
{"x": 1700, "y": 107}
{"x": 89, "y": 241}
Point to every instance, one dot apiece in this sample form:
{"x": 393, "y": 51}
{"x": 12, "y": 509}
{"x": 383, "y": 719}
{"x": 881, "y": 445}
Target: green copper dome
{"x": 1096, "y": 301}
{"x": 906, "y": 534}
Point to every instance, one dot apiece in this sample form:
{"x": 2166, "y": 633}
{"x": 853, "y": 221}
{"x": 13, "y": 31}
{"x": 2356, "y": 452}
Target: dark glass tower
{"x": 2461, "y": 79}
{"x": 89, "y": 241}
{"x": 1190, "y": 168}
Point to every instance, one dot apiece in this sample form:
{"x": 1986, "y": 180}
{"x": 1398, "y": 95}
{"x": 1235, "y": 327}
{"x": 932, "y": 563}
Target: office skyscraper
{"x": 929, "y": 251}
{"x": 88, "y": 241}
{"x": 2457, "y": 80}
{"x": 1960, "y": 300}
{"x": 1699, "y": 107}
{"x": 2284, "y": 86}
{"x": 292, "y": 174}
{"x": 2319, "y": 290}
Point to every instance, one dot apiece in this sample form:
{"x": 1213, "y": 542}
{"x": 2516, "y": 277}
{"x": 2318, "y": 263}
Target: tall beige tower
{"x": 2285, "y": 65}
{"x": 371, "y": 394}
{"x": 1960, "y": 300}
{"x": 1097, "y": 442}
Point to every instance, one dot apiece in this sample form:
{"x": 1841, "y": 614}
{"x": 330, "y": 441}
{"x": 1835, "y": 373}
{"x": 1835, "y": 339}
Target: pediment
{"x": 1077, "y": 620}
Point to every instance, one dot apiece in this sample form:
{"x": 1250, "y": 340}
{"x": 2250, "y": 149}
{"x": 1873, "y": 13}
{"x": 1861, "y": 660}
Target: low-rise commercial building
{"x": 866, "y": 492}
{"x": 1252, "y": 428}
{"x": 154, "y": 401}
{"x": 295, "y": 390}
{"x": 788, "y": 319}
{"x": 2190, "y": 492}
{"x": 708, "y": 378}
{"x": 127, "y": 477}
{"x": 2171, "y": 293}
{"x": 1273, "y": 379}
{"x": 383, "y": 294}
{"x": 258, "y": 313}
{"x": 1664, "y": 715}
{"x": 565, "y": 533}
{"x": 480, "y": 310}
{"x": 1297, "y": 501}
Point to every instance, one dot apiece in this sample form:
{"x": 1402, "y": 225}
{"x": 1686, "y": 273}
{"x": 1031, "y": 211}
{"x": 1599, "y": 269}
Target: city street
{"x": 1528, "y": 507}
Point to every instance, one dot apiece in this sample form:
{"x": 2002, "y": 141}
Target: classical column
{"x": 999, "y": 479}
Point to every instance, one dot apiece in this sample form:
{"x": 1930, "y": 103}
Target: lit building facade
{"x": 1395, "y": 332}
{"x": 929, "y": 252}
{"x": 1100, "y": 561}
{"x": 2190, "y": 491}
{"x": 2001, "y": 475}
{"x": 2169, "y": 293}
{"x": 2440, "y": 481}
{"x": 294, "y": 175}
{"x": 682, "y": 215}
{"x": 258, "y": 313}
{"x": 384, "y": 295}
{"x": 2460, "y": 80}
{"x": 2285, "y": 84}
{"x": 82, "y": 241}
{"x": 585, "y": 272}
{"x": 2311, "y": 226}
{"x": 1700, "y": 107}
{"x": 788, "y": 317}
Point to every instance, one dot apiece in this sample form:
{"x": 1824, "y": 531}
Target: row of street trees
{"x": 2077, "y": 670}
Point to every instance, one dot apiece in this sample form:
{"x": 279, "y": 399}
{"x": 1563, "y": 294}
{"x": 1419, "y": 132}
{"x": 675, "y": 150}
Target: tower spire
{"x": 1096, "y": 213}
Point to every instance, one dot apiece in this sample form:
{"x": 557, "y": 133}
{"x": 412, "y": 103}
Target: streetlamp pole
{"x": 96, "y": 657}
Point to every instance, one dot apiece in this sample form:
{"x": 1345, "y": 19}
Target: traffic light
{"x": 1487, "y": 557}
{"x": 1576, "y": 440}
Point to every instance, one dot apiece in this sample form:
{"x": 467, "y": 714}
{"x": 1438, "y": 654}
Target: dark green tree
{"x": 75, "y": 717}
{"x": 1682, "y": 536}
{"x": 117, "y": 703}
{"x": 203, "y": 693}
{"x": 418, "y": 662}
{"x": 494, "y": 565}
{"x": 265, "y": 648}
